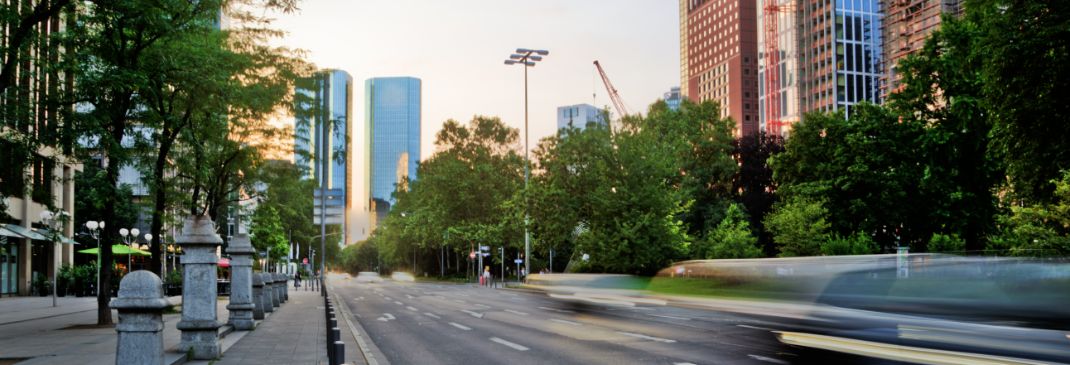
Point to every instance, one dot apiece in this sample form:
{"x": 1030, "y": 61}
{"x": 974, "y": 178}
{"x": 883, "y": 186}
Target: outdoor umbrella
{"x": 118, "y": 250}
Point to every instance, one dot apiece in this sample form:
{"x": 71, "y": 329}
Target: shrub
{"x": 946, "y": 243}
{"x": 857, "y": 244}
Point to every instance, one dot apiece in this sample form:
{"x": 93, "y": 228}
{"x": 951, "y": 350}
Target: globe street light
{"x": 94, "y": 230}
{"x": 129, "y": 238}
{"x": 527, "y": 58}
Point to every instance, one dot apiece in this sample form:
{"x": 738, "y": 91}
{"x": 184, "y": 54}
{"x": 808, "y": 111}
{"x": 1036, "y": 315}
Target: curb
{"x": 356, "y": 330}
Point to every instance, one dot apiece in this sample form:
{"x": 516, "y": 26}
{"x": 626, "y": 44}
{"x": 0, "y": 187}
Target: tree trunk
{"x": 160, "y": 193}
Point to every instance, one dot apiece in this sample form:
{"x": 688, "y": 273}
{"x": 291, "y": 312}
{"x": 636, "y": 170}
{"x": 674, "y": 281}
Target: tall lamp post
{"x": 94, "y": 230}
{"x": 53, "y": 220}
{"x": 527, "y": 58}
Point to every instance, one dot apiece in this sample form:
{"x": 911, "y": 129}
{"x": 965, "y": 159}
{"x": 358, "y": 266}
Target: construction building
{"x": 907, "y": 24}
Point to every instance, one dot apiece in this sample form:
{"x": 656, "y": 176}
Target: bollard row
{"x": 335, "y": 346}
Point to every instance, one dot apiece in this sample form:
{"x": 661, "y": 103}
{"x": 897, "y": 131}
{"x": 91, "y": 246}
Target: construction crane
{"x": 613, "y": 95}
{"x": 771, "y": 11}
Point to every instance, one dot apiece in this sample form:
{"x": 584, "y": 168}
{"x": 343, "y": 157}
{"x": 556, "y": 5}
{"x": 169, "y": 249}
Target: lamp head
{"x": 124, "y": 232}
{"x": 134, "y": 232}
{"x": 92, "y": 225}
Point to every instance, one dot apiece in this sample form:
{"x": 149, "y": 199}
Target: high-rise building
{"x": 322, "y": 128}
{"x": 907, "y": 23}
{"x": 579, "y": 116}
{"x": 392, "y": 127}
{"x": 828, "y": 57}
{"x": 672, "y": 98}
{"x": 719, "y": 57}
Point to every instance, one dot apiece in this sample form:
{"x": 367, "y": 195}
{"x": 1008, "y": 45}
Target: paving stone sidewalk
{"x": 294, "y": 334}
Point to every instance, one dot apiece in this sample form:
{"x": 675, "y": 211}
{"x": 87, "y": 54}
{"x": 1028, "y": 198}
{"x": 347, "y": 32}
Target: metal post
{"x": 527, "y": 173}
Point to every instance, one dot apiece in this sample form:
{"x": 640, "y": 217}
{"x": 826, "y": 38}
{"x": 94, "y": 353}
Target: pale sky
{"x": 457, "y": 47}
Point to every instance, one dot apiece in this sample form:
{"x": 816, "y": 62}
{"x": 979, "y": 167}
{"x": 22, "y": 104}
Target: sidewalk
{"x": 293, "y": 334}
{"x": 35, "y": 333}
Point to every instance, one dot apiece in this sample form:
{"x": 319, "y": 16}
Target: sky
{"x": 457, "y": 49}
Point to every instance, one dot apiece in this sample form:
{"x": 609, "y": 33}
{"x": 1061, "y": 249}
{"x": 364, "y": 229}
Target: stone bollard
{"x": 275, "y": 300}
{"x": 286, "y": 287}
{"x": 265, "y": 295}
{"x": 258, "y": 296}
{"x": 140, "y": 304}
{"x": 280, "y": 285}
{"x": 241, "y": 283}
{"x": 199, "y": 324}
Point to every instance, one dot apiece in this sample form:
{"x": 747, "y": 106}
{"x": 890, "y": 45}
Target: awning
{"x": 8, "y": 233}
{"x": 25, "y": 233}
{"x": 224, "y": 262}
{"x": 62, "y": 239}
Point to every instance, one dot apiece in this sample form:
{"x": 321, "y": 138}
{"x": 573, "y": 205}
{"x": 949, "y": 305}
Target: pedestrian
{"x": 486, "y": 276}
{"x": 297, "y": 279}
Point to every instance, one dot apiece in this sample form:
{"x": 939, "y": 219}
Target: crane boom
{"x": 613, "y": 95}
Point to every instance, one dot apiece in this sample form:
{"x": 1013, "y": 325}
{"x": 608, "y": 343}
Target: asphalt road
{"x": 426, "y": 323}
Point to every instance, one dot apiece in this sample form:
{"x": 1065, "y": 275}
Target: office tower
{"x": 719, "y": 57}
{"x": 322, "y": 129}
{"x": 579, "y": 116}
{"x": 392, "y": 125}
{"x": 829, "y": 61}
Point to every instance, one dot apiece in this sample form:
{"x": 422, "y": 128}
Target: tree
{"x": 799, "y": 227}
{"x": 267, "y": 233}
{"x": 1024, "y": 58}
{"x": 731, "y": 239}
{"x": 856, "y": 244}
{"x": 753, "y": 184}
{"x": 1040, "y": 229}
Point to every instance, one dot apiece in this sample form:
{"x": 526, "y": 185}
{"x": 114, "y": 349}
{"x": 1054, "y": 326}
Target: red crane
{"x": 613, "y": 95}
{"x": 771, "y": 12}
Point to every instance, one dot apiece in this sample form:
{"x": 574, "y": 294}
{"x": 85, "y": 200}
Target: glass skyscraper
{"x": 323, "y": 125}
{"x": 392, "y": 122}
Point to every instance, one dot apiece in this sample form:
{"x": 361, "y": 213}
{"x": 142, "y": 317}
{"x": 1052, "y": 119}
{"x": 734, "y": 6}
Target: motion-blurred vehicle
{"x": 368, "y": 277}
{"x": 603, "y": 289}
{"x": 402, "y": 276}
{"x": 921, "y": 308}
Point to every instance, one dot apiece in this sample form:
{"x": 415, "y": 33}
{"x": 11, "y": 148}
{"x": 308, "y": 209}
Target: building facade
{"x": 323, "y": 125}
{"x": 392, "y": 126}
{"x": 907, "y": 24}
{"x": 36, "y": 168}
{"x": 579, "y": 116}
{"x": 719, "y": 57}
{"x": 828, "y": 58}
{"x": 672, "y": 98}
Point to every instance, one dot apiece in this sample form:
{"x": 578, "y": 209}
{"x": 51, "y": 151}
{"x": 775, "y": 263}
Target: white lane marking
{"x": 669, "y": 317}
{"x": 358, "y": 298}
{"x": 482, "y": 306}
{"x": 556, "y": 310}
{"x": 516, "y": 312}
{"x": 386, "y": 297}
{"x": 755, "y": 327}
{"x": 461, "y": 326}
{"x": 767, "y": 359}
{"x": 645, "y": 337}
{"x": 473, "y": 314}
{"x": 432, "y": 315}
{"x": 683, "y": 363}
{"x": 409, "y": 296}
{"x": 398, "y": 303}
{"x": 510, "y": 344}
{"x": 460, "y": 301}
{"x": 413, "y": 309}
{"x": 571, "y": 323}
{"x": 387, "y": 317}
{"x": 641, "y": 309}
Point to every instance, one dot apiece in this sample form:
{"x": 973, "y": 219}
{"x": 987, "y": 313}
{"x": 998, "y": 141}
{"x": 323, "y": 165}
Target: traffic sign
{"x": 472, "y": 255}
{"x": 484, "y": 248}
{"x": 518, "y": 261}
{"x": 305, "y": 261}
{"x": 485, "y": 254}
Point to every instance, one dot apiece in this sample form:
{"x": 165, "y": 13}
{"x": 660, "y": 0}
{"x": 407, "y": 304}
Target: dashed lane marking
{"x": 519, "y": 313}
{"x": 645, "y": 337}
{"x": 461, "y": 326}
{"x": 570, "y": 323}
{"x": 556, "y": 310}
{"x": 412, "y": 309}
{"x": 387, "y": 317}
{"x": 398, "y": 303}
{"x": 755, "y": 327}
{"x": 510, "y": 344}
{"x": 767, "y": 359}
{"x": 432, "y": 315}
{"x": 473, "y": 314}
{"x": 669, "y": 317}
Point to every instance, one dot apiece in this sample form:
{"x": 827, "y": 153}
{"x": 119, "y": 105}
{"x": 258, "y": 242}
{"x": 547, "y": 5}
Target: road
{"x": 431, "y": 323}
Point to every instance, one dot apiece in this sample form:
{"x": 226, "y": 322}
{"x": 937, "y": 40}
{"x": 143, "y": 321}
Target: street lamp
{"x": 129, "y": 238}
{"x": 527, "y": 58}
{"x": 94, "y": 230}
{"x": 52, "y": 221}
